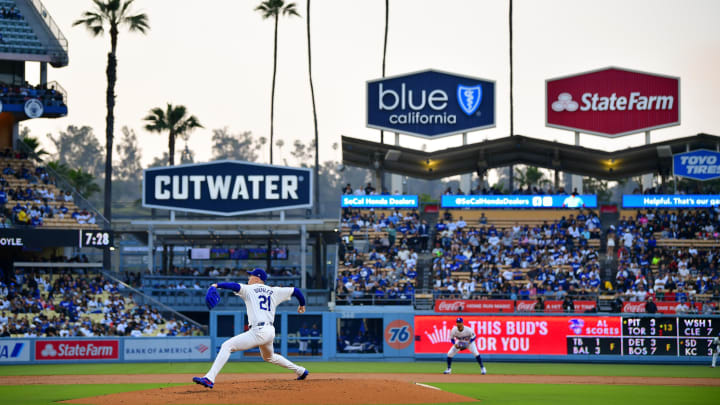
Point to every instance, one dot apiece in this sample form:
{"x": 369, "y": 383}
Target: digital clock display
{"x": 95, "y": 238}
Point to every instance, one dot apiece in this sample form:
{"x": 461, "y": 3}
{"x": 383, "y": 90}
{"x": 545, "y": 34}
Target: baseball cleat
{"x": 205, "y": 382}
{"x": 303, "y": 375}
{"x": 448, "y": 371}
{"x": 483, "y": 371}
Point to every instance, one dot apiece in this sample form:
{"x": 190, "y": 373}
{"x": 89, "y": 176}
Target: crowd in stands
{"x": 70, "y": 303}
{"x": 10, "y": 13}
{"x": 227, "y": 272}
{"x": 388, "y": 271}
{"x": 19, "y": 94}
{"x": 674, "y": 273}
{"x": 550, "y": 260}
{"x": 35, "y": 198}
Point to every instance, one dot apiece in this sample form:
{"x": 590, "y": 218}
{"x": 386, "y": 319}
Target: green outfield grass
{"x": 489, "y": 394}
{"x": 556, "y": 394}
{"x": 594, "y": 369}
{"x": 50, "y": 394}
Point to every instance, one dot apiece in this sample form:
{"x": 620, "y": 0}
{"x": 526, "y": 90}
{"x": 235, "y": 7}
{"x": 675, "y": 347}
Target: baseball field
{"x": 361, "y": 383}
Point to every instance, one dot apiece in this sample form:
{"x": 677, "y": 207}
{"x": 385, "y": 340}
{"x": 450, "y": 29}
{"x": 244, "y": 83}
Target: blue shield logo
{"x": 469, "y": 98}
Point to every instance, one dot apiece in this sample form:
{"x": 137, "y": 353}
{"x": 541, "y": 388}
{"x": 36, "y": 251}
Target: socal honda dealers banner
{"x": 555, "y": 306}
{"x": 612, "y": 102}
{"x": 488, "y": 306}
{"x": 64, "y": 349}
{"x": 663, "y": 307}
{"x": 514, "y": 334}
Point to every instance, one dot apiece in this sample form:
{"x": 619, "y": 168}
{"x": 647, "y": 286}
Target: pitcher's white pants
{"x": 261, "y": 337}
{"x": 454, "y": 350}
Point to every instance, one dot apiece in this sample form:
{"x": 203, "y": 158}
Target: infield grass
{"x": 51, "y": 394}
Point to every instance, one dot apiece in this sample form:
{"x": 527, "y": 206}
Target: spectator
{"x": 650, "y": 306}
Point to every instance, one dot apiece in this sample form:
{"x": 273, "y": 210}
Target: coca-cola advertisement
{"x": 613, "y": 102}
{"x": 62, "y": 349}
{"x": 513, "y": 334}
{"x": 581, "y": 306}
{"x": 484, "y": 306}
{"x": 663, "y": 307}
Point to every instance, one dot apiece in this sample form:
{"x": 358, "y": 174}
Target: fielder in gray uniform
{"x": 715, "y": 349}
{"x": 462, "y": 338}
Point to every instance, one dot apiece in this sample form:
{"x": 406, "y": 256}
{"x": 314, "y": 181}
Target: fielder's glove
{"x": 461, "y": 345}
{"x": 212, "y": 297}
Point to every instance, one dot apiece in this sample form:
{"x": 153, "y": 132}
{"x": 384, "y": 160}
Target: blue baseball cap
{"x": 459, "y": 320}
{"x": 259, "y": 273}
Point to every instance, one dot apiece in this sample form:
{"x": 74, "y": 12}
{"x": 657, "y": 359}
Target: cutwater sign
{"x": 699, "y": 164}
{"x": 430, "y": 104}
{"x": 519, "y": 201}
{"x": 671, "y": 201}
{"x": 227, "y": 187}
{"x": 379, "y": 201}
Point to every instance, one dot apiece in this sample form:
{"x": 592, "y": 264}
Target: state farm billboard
{"x": 64, "y": 349}
{"x": 612, "y": 102}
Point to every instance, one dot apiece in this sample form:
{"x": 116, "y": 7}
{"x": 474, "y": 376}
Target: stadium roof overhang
{"x": 479, "y": 157}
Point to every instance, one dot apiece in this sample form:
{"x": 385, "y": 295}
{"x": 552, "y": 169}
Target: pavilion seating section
{"x": 55, "y": 222}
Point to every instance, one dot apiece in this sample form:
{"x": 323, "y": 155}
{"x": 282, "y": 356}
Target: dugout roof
{"x": 479, "y": 157}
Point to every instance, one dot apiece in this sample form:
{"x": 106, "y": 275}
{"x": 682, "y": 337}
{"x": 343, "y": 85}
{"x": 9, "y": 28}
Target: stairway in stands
{"x": 424, "y": 287}
{"x": 609, "y": 262}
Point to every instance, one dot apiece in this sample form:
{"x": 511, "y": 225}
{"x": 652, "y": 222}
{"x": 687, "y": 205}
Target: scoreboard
{"x": 646, "y": 336}
{"x": 574, "y": 335}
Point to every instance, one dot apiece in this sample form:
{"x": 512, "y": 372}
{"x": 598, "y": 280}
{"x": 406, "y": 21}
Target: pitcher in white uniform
{"x": 260, "y": 302}
{"x": 462, "y": 338}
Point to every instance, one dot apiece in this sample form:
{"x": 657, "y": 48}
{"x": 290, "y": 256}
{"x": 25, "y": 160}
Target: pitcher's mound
{"x": 285, "y": 392}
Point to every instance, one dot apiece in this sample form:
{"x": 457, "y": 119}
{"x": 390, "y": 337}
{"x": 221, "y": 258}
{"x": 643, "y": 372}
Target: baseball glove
{"x": 461, "y": 345}
{"x": 212, "y": 297}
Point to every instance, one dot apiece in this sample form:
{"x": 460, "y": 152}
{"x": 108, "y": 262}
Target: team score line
{"x": 696, "y": 347}
{"x": 697, "y": 327}
{"x": 593, "y": 345}
{"x": 650, "y": 346}
{"x": 649, "y": 327}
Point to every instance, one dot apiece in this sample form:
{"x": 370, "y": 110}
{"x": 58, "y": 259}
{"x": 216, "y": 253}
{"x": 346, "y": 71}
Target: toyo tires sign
{"x": 612, "y": 102}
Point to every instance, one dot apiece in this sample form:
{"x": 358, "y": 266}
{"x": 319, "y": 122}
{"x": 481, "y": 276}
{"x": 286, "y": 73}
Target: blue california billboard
{"x": 701, "y": 164}
{"x": 379, "y": 201}
{"x": 671, "y": 201}
{"x": 430, "y": 104}
{"x": 227, "y": 187}
{"x": 519, "y": 201}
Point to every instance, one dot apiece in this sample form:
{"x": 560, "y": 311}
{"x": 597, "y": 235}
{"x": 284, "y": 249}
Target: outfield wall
{"x": 406, "y": 336}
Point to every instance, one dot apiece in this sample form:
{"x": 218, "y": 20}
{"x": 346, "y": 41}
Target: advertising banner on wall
{"x": 177, "y": 349}
{"x": 612, "y": 102}
{"x": 379, "y": 201}
{"x": 555, "y": 306}
{"x": 671, "y": 201}
{"x": 699, "y": 164}
{"x": 486, "y": 306}
{"x": 663, "y": 307}
{"x": 519, "y": 201}
{"x": 227, "y": 187}
{"x": 431, "y": 104}
{"x": 70, "y": 349}
{"x": 12, "y": 350}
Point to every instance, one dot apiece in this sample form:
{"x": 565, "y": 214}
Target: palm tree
{"x": 316, "y": 184}
{"x": 387, "y": 19}
{"x": 33, "y": 145}
{"x": 173, "y": 119}
{"x": 273, "y": 9}
{"x": 111, "y": 15}
{"x": 531, "y": 176}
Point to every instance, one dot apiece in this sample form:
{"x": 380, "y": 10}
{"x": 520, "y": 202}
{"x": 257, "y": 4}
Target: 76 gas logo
{"x": 398, "y": 334}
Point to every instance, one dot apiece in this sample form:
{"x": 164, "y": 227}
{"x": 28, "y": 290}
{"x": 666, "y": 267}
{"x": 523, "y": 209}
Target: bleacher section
{"x": 17, "y": 34}
{"x": 13, "y": 183}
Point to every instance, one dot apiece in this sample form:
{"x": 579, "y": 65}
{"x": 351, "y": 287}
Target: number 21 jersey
{"x": 261, "y": 301}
